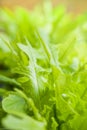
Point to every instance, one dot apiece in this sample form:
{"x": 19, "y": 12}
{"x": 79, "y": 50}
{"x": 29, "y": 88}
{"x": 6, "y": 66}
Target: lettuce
{"x": 43, "y": 69}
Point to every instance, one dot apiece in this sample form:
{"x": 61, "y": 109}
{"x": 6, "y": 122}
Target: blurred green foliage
{"x": 43, "y": 69}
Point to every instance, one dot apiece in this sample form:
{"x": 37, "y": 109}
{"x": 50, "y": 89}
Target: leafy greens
{"x": 43, "y": 69}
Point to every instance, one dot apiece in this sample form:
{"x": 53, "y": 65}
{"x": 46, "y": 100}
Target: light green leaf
{"x": 7, "y": 80}
{"x": 14, "y": 103}
{"x": 25, "y": 123}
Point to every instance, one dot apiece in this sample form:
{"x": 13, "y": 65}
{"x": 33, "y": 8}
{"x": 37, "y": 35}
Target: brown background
{"x": 76, "y": 6}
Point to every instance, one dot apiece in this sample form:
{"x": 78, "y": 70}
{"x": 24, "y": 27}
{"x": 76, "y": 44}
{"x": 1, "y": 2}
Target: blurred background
{"x": 76, "y": 6}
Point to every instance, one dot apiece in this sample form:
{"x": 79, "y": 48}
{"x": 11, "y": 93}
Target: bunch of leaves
{"x": 43, "y": 70}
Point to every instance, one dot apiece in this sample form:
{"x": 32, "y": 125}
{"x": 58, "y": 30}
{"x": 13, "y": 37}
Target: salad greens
{"x": 43, "y": 69}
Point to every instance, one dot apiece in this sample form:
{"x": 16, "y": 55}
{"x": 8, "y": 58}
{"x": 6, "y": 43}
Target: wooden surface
{"x": 76, "y": 6}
